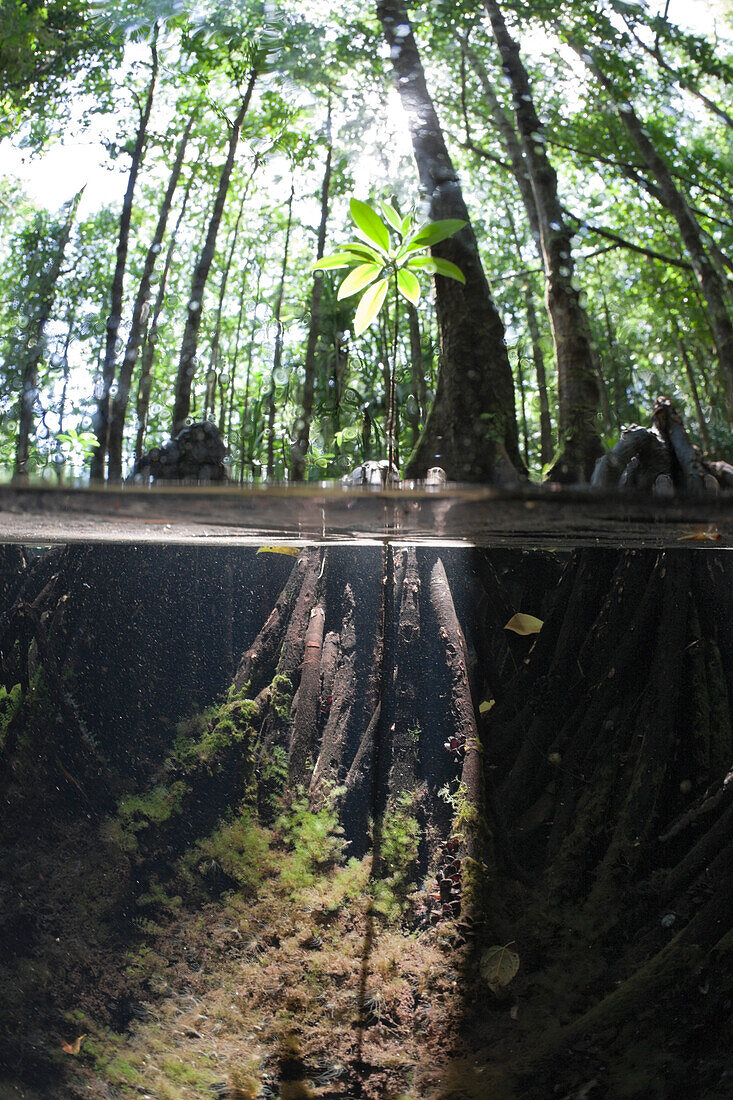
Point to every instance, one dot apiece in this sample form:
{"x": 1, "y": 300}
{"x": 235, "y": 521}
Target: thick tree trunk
{"x": 139, "y": 310}
{"x": 189, "y": 343}
{"x": 35, "y": 347}
{"x": 577, "y": 388}
{"x": 474, "y": 367}
{"x": 114, "y": 320}
{"x": 303, "y": 423}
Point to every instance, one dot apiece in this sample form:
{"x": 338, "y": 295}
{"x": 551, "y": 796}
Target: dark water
{"x": 338, "y": 823}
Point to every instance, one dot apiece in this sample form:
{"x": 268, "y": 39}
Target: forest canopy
{"x": 174, "y": 170}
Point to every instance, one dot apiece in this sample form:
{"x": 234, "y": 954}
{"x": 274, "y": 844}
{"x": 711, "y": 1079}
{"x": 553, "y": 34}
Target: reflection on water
{"x": 372, "y": 820}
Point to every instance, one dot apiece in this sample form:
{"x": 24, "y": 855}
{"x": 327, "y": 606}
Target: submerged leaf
{"x": 498, "y": 965}
{"x": 73, "y": 1047}
{"x": 370, "y": 223}
{"x": 524, "y": 624}
{"x": 369, "y": 306}
{"x": 293, "y": 551}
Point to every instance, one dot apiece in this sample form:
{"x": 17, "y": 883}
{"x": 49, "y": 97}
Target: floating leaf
{"x": 436, "y": 231}
{"x": 370, "y": 223}
{"x": 292, "y": 551}
{"x": 704, "y": 534}
{"x": 485, "y": 707}
{"x": 391, "y": 215}
{"x": 498, "y": 965}
{"x": 524, "y": 624}
{"x": 73, "y": 1047}
{"x": 408, "y": 286}
{"x": 369, "y": 306}
{"x": 435, "y": 266}
{"x": 339, "y": 259}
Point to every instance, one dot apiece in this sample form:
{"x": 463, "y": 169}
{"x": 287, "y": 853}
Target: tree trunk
{"x": 579, "y": 445}
{"x": 250, "y": 346}
{"x": 139, "y": 310}
{"x": 303, "y": 423}
{"x": 701, "y": 422}
{"x": 417, "y": 376}
{"x": 189, "y": 343}
{"x": 474, "y": 368}
{"x": 278, "y": 353}
{"x": 215, "y": 375}
{"x": 712, "y": 289}
{"x": 147, "y": 358}
{"x": 114, "y": 320}
{"x": 546, "y": 444}
{"x": 29, "y": 378}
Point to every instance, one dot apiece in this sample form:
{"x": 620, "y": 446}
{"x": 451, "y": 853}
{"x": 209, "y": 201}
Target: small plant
{"x": 378, "y": 261}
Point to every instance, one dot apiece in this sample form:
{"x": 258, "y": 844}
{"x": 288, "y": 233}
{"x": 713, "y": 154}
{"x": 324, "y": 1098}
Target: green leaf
{"x": 382, "y": 252}
{"x": 407, "y": 224}
{"x": 365, "y": 251}
{"x": 370, "y": 305}
{"x": 370, "y": 223}
{"x": 435, "y": 266}
{"x": 339, "y": 259}
{"x": 359, "y": 278}
{"x": 392, "y": 216}
{"x": 408, "y": 286}
{"x": 434, "y": 232}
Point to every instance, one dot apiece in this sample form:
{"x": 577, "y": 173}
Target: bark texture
{"x": 189, "y": 343}
{"x": 474, "y": 366}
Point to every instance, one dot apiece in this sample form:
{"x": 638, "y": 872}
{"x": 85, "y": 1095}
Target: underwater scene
{"x": 387, "y": 820}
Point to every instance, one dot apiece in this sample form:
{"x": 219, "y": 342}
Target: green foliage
{"x": 376, "y": 261}
{"x": 398, "y": 845}
{"x": 314, "y": 839}
{"x": 240, "y": 848}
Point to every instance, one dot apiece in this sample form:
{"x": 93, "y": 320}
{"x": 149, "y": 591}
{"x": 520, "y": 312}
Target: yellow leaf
{"x": 498, "y": 965}
{"x": 485, "y": 707}
{"x": 524, "y": 624}
{"x": 293, "y": 551}
{"x": 72, "y": 1048}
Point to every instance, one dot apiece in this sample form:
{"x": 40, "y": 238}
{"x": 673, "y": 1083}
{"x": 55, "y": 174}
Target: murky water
{"x": 388, "y": 817}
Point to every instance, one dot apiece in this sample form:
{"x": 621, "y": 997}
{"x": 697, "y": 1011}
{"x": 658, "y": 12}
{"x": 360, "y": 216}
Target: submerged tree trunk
{"x": 114, "y": 320}
{"x": 474, "y": 369}
{"x": 579, "y": 444}
{"x": 139, "y": 310}
{"x": 189, "y": 343}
